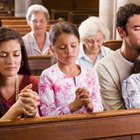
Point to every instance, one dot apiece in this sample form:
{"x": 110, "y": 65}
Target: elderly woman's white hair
{"x": 34, "y": 9}
{"x": 91, "y": 26}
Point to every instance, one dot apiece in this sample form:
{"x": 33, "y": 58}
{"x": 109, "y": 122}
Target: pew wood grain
{"x": 108, "y": 125}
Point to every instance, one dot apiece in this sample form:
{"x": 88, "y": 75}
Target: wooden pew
{"x": 77, "y": 17}
{"x": 3, "y": 12}
{"x": 4, "y": 17}
{"x": 13, "y": 22}
{"x": 38, "y": 63}
{"x": 21, "y": 25}
{"x": 56, "y": 14}
{"x": 23, "y": 29}
{"x": 108, "y": 125}
{"x": 10, "y": 17}
{"x": 113, "y": 44}
{"x": 53, "y": 21}
{"x": 72, "y": 15}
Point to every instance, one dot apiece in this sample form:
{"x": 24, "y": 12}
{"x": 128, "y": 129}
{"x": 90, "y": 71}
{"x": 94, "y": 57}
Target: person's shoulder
{"x": 31, "y": 78}
{"x": 133, "y": 78}
{"x": 106, "y": 49}
{"x": 34, "y": 81}
{"x": 49, "y": 70}
{"x": 88, "y": 70}
{"x": 26, "y": 36}
{"x": 109, "y": 57}
{"x": 109, "y": 62}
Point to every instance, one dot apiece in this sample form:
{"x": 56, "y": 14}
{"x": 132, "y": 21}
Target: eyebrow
{"x": 136, "y": 26}
{"x": 7, "y": 52}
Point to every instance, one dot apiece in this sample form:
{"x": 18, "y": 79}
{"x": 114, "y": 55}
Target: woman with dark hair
{"x": 65, "y": 87}
{"x": 18, "y": 89}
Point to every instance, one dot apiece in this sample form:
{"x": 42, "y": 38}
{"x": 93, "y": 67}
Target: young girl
{"x": 131, "y": 87}
{"x": 66, "y": 87}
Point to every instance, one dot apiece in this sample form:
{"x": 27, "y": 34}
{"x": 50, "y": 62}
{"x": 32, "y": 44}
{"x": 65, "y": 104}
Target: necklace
{"x": 16, "y": 88}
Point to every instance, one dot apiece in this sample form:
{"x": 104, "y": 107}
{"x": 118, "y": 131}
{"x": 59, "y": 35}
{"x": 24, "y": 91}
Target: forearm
{"x": 73, "y": 107}
{"x": 12, "y": 114}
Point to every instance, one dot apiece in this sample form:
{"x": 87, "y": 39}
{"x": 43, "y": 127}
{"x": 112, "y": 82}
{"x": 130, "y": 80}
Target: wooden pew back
{"x": 113, "y": 44}
{"x": 21, "y": 25}
{"x": 38, "y": 63}
{"x": 11, "y": 17}
{"x": 16, "y": 21}
{"x": 108, "y": 125}
{"x": 56, "y": 14}
{"x": 13, "y": 22}
{"x": 77, "y": 17}
{"x": 23, "y": 29}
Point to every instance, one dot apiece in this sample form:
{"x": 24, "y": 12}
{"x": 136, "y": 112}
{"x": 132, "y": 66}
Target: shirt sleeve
{"x": 131, "y": 90}
{"x": 49, "y": 104}
{"x": 95, "y": 95}
{"x": 110, "y": 94}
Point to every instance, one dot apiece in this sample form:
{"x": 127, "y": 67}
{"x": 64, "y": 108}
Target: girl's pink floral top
{"x": 57, "y": 90}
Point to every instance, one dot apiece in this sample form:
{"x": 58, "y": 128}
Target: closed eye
{"x": 3, "y": 54}
{"x": 137, "y": 28}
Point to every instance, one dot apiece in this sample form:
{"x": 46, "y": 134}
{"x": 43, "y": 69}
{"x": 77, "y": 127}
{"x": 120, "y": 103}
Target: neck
{"x": 70, "y": 70}
{"x": 9, "y": 87}
{"x": 129, "y": 53}
{"x": 7, "y": 81}
{"x": 92, "y": 55}
{"x": 40, "y": 39}
{"x": 40, "y": 35}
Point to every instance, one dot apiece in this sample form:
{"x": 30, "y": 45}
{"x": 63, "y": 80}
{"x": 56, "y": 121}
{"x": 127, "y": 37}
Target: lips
{"x": 10, "y": 68}
{"x": 70, "y": 56}
{"x": 38, "y": 28}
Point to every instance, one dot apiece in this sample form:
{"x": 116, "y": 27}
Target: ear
{"x": 121, "y": 32}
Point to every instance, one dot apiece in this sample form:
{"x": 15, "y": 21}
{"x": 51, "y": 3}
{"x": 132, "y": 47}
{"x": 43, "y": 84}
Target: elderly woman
{"x": 93, "y": 32}
{"x": 37, "y": 42}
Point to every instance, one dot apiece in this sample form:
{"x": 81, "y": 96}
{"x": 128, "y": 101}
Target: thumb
{"x": 28, "y": 87}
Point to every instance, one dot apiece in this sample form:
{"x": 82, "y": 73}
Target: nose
{"x": 10, "y": 59}
{"x": 38, "y": 23}
{"x": 96, "y": 42}
{"x": 69, "y": 50}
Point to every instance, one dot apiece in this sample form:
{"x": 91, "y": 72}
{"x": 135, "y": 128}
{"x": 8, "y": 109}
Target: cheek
{"x": 32, "y": 27}
{"x": 2, "y": 63}
{"x": 58, "y": 54}
{"x": 19, "y": 61}
{"x": 90, "y": 45}
{"x": 133, "y": 39}
{"x": 78, "y": 50}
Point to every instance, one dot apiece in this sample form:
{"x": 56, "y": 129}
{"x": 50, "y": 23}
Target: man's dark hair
{"x": 124, "y": 13}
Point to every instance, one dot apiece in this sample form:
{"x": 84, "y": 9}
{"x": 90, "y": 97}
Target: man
{"x": 117, "y": 66}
